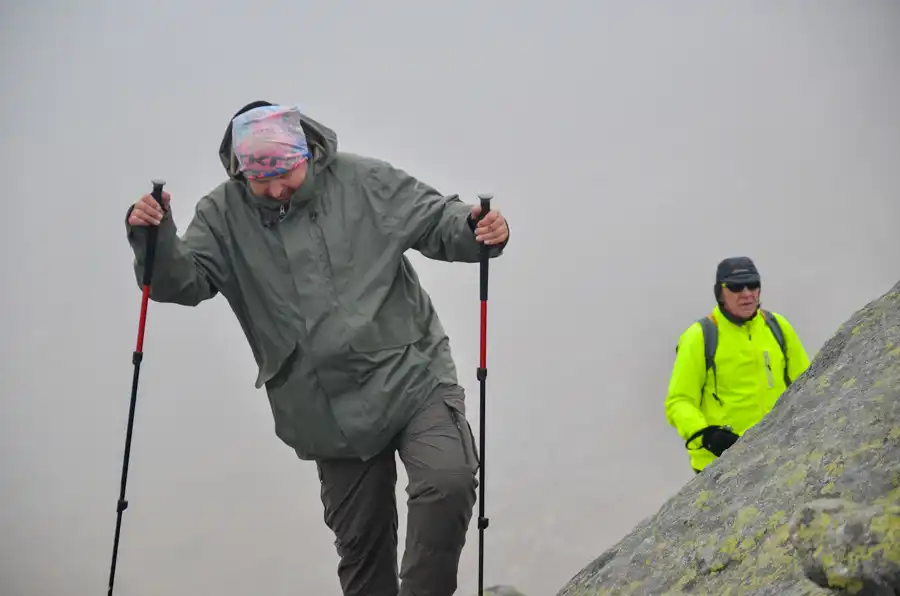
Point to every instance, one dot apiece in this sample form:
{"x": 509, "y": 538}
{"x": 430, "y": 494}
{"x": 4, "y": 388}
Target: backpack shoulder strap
{"x": 710, "y": 329}
{"x": 775, "y": 328}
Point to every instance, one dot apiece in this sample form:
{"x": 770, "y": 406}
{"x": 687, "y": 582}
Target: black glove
{"x": 717, "y": 439}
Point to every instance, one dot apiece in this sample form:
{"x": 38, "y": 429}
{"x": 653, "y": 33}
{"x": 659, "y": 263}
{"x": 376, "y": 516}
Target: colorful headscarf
{"x": 269, "y": 141}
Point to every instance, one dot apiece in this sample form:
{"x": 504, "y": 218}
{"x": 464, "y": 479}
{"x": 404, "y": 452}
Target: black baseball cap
{"x": 738, "y": 270}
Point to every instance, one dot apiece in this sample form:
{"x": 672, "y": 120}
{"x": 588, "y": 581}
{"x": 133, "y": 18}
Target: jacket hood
{"x": 322, "y": 141}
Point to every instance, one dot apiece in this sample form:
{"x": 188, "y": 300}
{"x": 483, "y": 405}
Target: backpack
{"x": 710, "y": 329}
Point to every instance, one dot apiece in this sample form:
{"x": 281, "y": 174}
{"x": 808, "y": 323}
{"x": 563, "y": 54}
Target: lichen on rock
{"x": 760, "y": 520}
{"x": 849, "y": 546}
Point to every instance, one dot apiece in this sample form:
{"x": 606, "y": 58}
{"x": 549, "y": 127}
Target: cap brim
{"x": 741, "y": 278}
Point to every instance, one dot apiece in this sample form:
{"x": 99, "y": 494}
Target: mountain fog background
{"x": 630, "y": 145}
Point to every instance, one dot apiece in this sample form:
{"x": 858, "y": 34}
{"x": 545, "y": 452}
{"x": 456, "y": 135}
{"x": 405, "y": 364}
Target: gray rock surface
{"x": 804, "y": 504}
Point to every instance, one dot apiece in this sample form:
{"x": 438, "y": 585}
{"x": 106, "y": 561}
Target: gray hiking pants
{"x": 437, "y": 448}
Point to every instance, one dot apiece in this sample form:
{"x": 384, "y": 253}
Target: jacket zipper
{"x": 323, "y": 258}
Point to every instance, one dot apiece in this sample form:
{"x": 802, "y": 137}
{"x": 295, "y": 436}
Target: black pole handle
{"x": 485, "y": 204}
{"x": 152, "y": 232}
{"x": 157, "y": 190}
{"x": 485, "y": 255}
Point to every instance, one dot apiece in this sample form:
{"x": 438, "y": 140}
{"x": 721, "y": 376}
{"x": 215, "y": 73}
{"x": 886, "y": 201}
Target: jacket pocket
{"x": 302, "y": 413}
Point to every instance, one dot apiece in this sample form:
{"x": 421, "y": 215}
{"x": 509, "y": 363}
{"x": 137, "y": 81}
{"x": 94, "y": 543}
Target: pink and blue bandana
{"x": 269, "y": 141}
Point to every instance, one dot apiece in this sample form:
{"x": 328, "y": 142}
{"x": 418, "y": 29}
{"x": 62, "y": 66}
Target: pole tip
{"x": 158, "y": 182}
{"x": 485, "y": 196}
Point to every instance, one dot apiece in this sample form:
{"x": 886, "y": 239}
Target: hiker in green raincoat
{"x": 307, "y": 245}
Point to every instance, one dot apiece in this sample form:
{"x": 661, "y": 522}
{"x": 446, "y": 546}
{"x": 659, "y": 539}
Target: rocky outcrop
{"x": 846, "y": 545}
{"x": 806, "y": 503}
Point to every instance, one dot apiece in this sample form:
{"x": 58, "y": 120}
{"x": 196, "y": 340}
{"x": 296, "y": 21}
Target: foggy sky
{"x": 630, "y": 145}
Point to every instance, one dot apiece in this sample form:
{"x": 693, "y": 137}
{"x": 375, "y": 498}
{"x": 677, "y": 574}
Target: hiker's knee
{"x": 457, "y": 485}
{"x": 450, "y": 488}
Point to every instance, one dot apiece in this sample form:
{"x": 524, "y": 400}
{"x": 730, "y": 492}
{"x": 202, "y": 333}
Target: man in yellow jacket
{"x": 730, "y": 367}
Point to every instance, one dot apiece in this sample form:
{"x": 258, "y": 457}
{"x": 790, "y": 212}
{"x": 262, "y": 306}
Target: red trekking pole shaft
{"x": 482, "y": 378}
{"x": 138, "y": 355}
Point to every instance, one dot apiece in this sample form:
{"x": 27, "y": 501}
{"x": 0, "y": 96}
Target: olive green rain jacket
{"x": 347, "y": 342}
{"x": 749, "y": 376}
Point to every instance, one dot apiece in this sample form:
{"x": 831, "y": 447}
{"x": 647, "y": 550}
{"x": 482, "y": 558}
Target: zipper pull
{"x": 281, "y": 212}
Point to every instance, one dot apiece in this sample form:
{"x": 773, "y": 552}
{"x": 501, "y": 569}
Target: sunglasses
{"x": 737, "y": 288}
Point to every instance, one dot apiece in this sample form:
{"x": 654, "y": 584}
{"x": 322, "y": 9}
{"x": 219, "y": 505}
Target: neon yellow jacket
{"x": 747, "y": 387}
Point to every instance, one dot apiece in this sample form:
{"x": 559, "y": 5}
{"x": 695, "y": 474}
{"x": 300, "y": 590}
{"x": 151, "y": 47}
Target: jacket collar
{"x": 303, "y": 195}
{"x": 721, "y": 312}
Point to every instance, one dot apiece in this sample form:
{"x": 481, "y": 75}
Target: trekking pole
{"x": 136, "y": 358}
{"x": 482, "y": 378}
